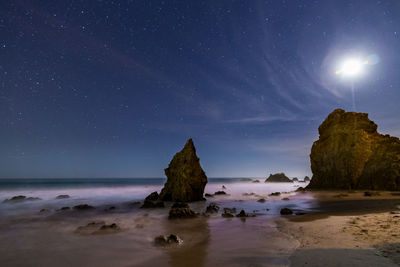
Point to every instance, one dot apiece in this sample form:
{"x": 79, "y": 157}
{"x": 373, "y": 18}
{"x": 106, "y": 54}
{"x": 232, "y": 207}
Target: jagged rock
{"x": 275, "y": 194}
{"x": 186, "y": 179}
{"x": 83, "y": 207}
{"x": 286, "y": 211}
{"x": 148, "y": 204}
{"x": 181, "y": 210}
{"x": 62, "y": 196}
{"x": 351, "y": 154}
{"x": 212, "y": 208}
{"x": 208, "y": 195}
{"x": 152, "y": 197}
{"x": 220, "y": 193}
{"x": 306, "y": 179}
{"x": 278, "y": 178}
{"x": 163, "y": 240}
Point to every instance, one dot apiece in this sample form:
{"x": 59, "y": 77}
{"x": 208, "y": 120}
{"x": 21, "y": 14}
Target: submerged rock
{"x": 262, "y": 200}
{"x": 62, "y": 196}
{"x": 275, "y": 194}
{"x": 181, "y": 210}
{"x": 64, "y": 208}
{"x": 83, "y": 207}
{"x": 286, "y": 211}
{"x": 227, "y": 215}
{"x": 185, "y": 177}
{"x": 21, "y": 198}
{"x": 148, "y": 204}
{"x": 278, "y": 178}
{"x": 351, "y": 154}
{"x": 163, "y": 240}
{"x": 212, "y": 208}
{"x": 242, "y": 214}
{"x": 109, "y": 228}
{"x": 218, "y": 193}
{"x": 229, "y": 210}
{"x": 208, "y": 195}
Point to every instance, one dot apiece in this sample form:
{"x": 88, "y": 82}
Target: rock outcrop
{"x": 351, "y": 154}
{"x": 306, "y": 179}
{"x": 185, "y": 177}
{"x": 278, "y": 178}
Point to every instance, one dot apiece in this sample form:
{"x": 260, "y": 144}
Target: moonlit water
{"x": 50, "y": 239}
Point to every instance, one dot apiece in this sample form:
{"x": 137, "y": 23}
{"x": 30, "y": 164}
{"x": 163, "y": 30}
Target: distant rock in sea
{"x": 62, "y": 196}
{"x": 186, "y": 179}
{"x": 278, "y": 178}
{"x": 21, "y": 198}
{"x": 295, "y": 179}
{"x": 351, "y": 154}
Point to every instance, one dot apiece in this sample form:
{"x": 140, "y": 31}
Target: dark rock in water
{"x": 295, "y": 179}
{"x": 248, "y": 194}
{"x": 44, "y": 210}
{"x": 108, "y": 227}
{"x": 275, "y": 194}
{"x": 242, "y": 214}
{"x": 148, "y": 204}
{"x": 229, "y": 210}
{"x": 306, "y": 179}
{"x": 152, "y": 197}
{"x": 62, "y": 196}
{"x": 262, "y": 200}
{"x": 285, "y": 199}
{"x": 186, "y": 179}
{"x": 220, "y": 193}
{"x": 179, "y": 205}
{"x": 286, "y": 211}
{"x": 212, "y": 208}
{"x": 256, "y": 181}
{"x": 20, "y": 198}
{"x": 301, "y": 189}
{"x": 227, "y": 215}
{"x": 163, "y": 240}
{"x": 64, "y": 208}
{"x": 90, "y": 227}
{"x": 300, "y": 213}
{"x": 83, "y": 207}
{"x": 223, "y": 187}
{"x": 278, "y": 178}
{"x": 351, "y": 154}
{"x": 208, "y": 195}
{"x": 181, "y": 213}
{"x": 370, "y": 194}
{"x": 246, "y": 179}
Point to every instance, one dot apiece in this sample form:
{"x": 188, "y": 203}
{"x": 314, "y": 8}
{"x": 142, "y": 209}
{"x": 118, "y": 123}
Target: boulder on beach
{"x": 351, "y": 154}
{"x": 278, "y": 178}
{"x": 186, "y": 179}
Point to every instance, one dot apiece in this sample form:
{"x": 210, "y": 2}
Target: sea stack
{"x": 186, "y": 179}
{"x": 278, "y": 178}
{"x": 351, "y": 154}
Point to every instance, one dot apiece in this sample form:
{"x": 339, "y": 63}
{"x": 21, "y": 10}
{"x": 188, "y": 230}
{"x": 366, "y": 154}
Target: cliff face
{"x": 351, "y": 154}
{"x": 185, "y": 177}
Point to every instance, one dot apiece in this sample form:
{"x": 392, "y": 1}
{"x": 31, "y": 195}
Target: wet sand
{"x": 347, "y": 229}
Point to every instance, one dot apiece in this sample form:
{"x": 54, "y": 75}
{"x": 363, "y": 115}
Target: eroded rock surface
{"x": 351, "y": 154}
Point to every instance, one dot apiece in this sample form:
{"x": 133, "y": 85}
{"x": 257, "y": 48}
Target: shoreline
{"x": 347, "y": 229}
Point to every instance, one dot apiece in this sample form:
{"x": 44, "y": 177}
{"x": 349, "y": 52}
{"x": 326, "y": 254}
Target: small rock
{"x": 212, "y": 208}
{"x": 62, "y": 196}
{"x": 229, "y": 210}
{"x": 286, "y": 211}
{"x": 181, "y": 211}
{"x": 227, "y": 215}
{"x": 163, "y": 240}
{"x": 256, "y": 181}
{"x": 107, "y": 227}
{"x": 248, "y": 194}
{"x": 242, "y": 214}
{"x": 220, "y": 193}
{"x": 44, "y": 210}
{"x": 285, "y": 199}
{"x": 275, "y": 194}
{"x": 262, "y": 200}
{"x": 83, "y": 207}
{"x": 20, "y": 198}
{"x": 223, "y": 187}
{"x": 208, "y": 195}
{"x": 64, "y": 208}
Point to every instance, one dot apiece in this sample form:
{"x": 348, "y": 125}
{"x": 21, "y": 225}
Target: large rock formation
{"x": 278, "y": 178}
{"x": 185, "y": 177}
{"x": 351, "y": 154}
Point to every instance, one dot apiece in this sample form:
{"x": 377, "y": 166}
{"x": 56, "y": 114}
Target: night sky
{"x": 114, "y": 88}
